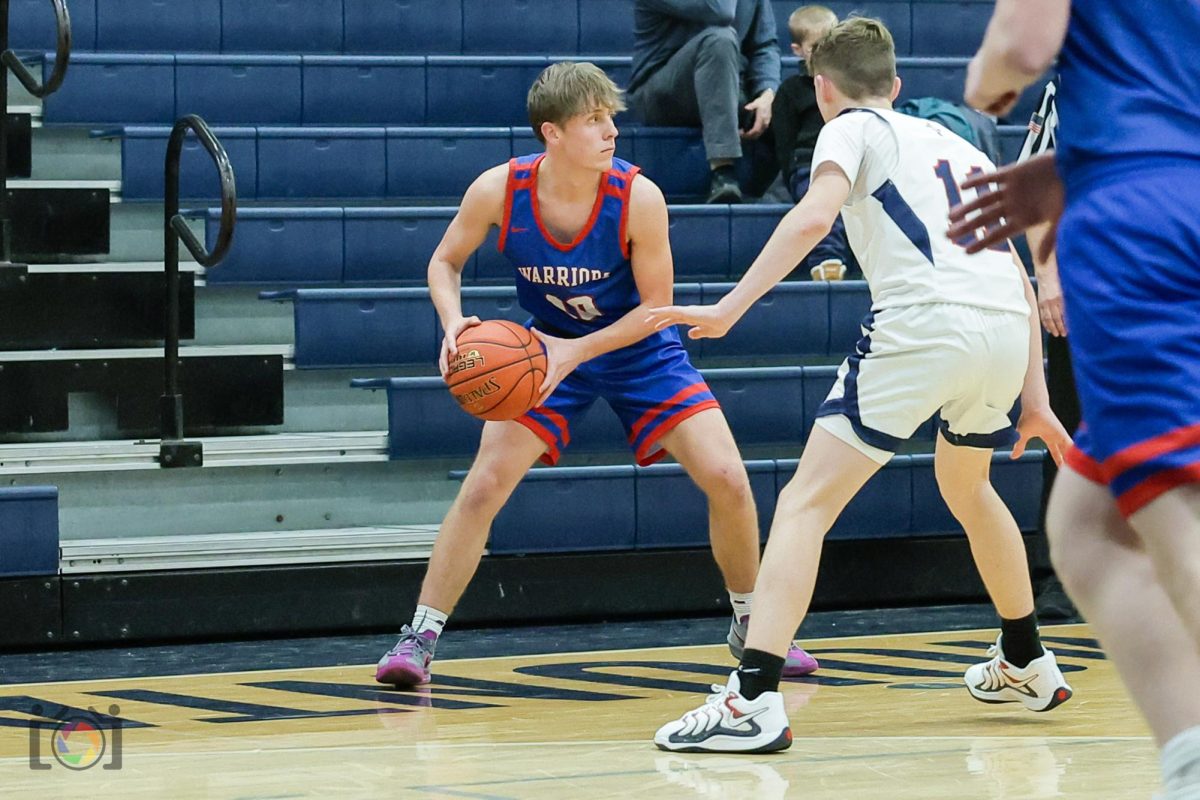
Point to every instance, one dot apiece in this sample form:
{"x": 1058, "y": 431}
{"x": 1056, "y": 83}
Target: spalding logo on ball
{"x": 498, "y": 371}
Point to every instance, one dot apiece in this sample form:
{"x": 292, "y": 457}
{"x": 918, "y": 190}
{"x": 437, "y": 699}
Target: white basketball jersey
{"x": 904, "y": 174}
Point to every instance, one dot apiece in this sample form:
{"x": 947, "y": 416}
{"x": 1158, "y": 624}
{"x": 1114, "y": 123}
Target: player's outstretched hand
{"x": 707, "y": 322}
{"x": 450, "y": 342}
{"x": 1010, "y": 200}
{"x": 1042, "y": 424}
{"x": 562, "y": 357}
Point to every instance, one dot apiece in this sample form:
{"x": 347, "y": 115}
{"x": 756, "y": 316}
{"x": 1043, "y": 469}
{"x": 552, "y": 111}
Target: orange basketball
{"x": 498, "y": 371}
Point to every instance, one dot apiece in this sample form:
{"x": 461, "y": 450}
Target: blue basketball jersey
{"x": 1130, "y": 86}
{"x": 578, "y": 287}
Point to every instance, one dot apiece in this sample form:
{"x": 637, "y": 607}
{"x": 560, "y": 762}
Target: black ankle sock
{"x": 759, "y": 672}
{"x": 1020, "y": 641}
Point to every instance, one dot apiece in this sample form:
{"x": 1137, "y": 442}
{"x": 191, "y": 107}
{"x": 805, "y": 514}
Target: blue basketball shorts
{"x": 651, "y": 385}
{"x": 1129, "y": 257}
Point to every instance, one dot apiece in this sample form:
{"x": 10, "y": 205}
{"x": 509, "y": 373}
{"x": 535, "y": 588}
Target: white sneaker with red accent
{"x": 729, "y": 723}
{"x": 1039, "y": 685}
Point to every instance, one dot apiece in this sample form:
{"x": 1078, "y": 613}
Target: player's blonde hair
{"x": 568, "y": 88}
{"x": 807, "y": 22}
{"x": 859, "y": 56}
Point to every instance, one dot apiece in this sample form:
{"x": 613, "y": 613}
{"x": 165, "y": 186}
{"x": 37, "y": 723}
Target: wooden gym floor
{"x": 886, "y": 717}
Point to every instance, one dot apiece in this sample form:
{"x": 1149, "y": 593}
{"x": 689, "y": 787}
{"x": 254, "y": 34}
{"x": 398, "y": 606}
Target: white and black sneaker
{"x": 729, "y": 723}
{"x": 1039, "y": 685}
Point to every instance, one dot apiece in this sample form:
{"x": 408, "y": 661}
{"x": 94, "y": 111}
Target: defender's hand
{"x": 1022, "y": 195}
{"x": 1042, "y": 424}
{"x": 707, "y": 322}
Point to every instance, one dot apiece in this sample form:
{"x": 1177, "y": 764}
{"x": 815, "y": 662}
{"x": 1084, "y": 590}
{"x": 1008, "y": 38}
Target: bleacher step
{"x": 219, "y": 451}
{"x": 260, "y": 548}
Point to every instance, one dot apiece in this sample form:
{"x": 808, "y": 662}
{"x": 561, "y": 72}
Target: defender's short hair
{"x": 569, "y": 88}
{"x": 807, "y": 21}
{"x": 859, "y": 56}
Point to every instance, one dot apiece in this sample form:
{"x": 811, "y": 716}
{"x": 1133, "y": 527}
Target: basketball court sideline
{"x": 886, "y": 715}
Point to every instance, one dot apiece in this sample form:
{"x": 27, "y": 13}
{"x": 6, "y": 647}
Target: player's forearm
{"x": 792, "y": 240}
{"x": 1034, "y": 393}
{"x": 1020, "y": 44}
{"x": 445, "y": 290}
{"x": 630, "y": 328}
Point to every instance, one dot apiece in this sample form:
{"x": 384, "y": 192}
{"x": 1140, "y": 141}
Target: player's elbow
{"x": 813, "y": 227}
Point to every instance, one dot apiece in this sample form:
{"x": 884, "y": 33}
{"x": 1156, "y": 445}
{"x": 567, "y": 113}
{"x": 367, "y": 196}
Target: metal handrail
{"x": 174, "y": 452}
{"x": 62, "y": 54}
{"x": 9, "y": 61}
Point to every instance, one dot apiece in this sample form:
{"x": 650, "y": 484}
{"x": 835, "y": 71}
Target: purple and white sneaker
{"x": 797, "y": 663}
{"x": 407, "y": 664}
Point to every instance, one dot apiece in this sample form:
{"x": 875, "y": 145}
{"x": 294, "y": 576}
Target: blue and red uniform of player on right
{"x": 1129, "y": 241}
{"x": 575, "y": 288}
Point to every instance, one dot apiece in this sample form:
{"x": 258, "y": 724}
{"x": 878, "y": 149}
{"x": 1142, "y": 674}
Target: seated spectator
{"x": 797, "y": 122}
{"x": 696, "y": 63}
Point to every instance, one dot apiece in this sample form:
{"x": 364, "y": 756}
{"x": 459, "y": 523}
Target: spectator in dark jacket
{"x": 797, "y": 122}
{"x": 696, "y": 63}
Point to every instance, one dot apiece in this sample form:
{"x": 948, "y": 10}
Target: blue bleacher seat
{"x": 949, "y": 27}
{"x": 393, "y": 244}
{"x": 28, "y": 531}
{"x": 605, "y": 26}
{"x": 442, "y": 162}
{"x": 849, "y": 304}
{"x": 31, "y": 25}
{"x": 750, "y": 228}
{"x": 673, "y": 512}
{"x": 444, "y": 430}
{"x": 143, "y": 157}
{"x": 932, "y": 76}
{"x": 357, "y": 328}
{"x": 763, "y": 406}
{"x": 109, "y": 88}
{"x": 292, "y": 246}
{"x": 480, "y": 90}
{"x": 791, "y": 318}
{"x": 490, "y": 302}
{"x": 342, "y": 90}
{"x": 491, "y": 266}
{"x": 163, "y": 25}
{"x": 700, "y": 242}
{"x": 572, "y": 508}
{"x": 520, "y": 26}
{"x": 1011, "y": 139}
{"x": 817, "y": 383}
{"x": 281, "y": 26}
{"x": 297, "y": 163}
{"x": 894, "y": 13}
{"x": 673, "y": 158}
{"x": 403, "y": 26}
{"x": 239, "y": 89}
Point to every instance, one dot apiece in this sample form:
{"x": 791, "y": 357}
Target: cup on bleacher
{"x": 831, "y": 270}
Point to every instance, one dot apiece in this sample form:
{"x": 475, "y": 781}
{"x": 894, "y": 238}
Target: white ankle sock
{"x": 1181, "y": 763}
{"x": 428, "y": 619}
{"x": 741, "y": 603}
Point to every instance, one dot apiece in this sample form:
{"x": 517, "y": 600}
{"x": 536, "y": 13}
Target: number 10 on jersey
{"x": 582, "y": 307}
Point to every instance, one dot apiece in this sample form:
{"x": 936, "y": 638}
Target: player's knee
{"x": 1067, "y": 548}
{"x": 965, "y": 495}
{"x": 718, "y": 40}
{"x": 483, "y": 494}
{"x": 726, "y": 485}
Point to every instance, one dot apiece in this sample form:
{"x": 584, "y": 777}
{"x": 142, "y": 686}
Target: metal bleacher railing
{"x": 12, "y": 62}
{"x": 174, "y": 451}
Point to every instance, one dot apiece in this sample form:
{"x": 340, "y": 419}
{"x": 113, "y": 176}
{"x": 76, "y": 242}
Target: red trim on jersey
{"x": 625, "y": 193}
{"x": 550, "y": 457}
{"x": 537, "y": 213}
{"x": 1153, "y": 487}
{"x": 1138, "y": 454}
{"x": 680, "y": 396}
{"x": 559, "y": 420}
{"x": 509, "y": 185}
{"x": 644, "y": 457}
{"x": 1085, "y": 465}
